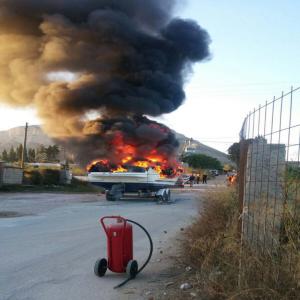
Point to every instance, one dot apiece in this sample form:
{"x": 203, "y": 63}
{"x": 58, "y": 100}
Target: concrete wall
{"x": 10, "y": 175}
{"x": 264, "y": 192}
{"x": 65, "y": 177}
{"x": 1, "y": 173}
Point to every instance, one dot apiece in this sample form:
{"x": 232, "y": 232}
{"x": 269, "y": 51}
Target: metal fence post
{"x": 241, "y": 176}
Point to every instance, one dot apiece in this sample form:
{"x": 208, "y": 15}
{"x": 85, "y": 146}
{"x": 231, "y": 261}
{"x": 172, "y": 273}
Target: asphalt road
{"x": 49, "y": 252}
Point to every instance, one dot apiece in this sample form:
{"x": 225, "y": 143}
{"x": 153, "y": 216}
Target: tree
{"x": 19, "y": 152}
{"x": 12, "y": 156}
{"x": 4, "y": 155}
{"x": 234, "y": 149}
{"x": 56, "y": 151}
{"x": 234, "y": 152}
{"x": 31, "y": 155}
{"x": 52, "y": 153}
{"x": 41, "y": 155}
{"x": 202, "y": 161}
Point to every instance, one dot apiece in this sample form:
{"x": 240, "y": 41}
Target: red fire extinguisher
{"x": 120, "y": 248}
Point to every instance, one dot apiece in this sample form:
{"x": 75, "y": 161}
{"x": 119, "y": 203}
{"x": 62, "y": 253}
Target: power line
{"x": 220, "y": 142}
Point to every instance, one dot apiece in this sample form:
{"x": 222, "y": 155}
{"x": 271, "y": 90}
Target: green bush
{"x": 42, "y": 177}
{"x": 33, "y": 177}
{"x": 201, "y": 161}
{"x": 50, "y": 177}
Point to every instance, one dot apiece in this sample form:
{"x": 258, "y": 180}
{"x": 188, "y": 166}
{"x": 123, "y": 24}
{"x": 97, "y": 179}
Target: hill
{"x": 36, "y": 137}
{"x": 189, "y": 145}
{"x": 15, "y": 136}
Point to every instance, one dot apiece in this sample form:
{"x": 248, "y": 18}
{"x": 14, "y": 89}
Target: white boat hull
{"x": 133, "y": 182}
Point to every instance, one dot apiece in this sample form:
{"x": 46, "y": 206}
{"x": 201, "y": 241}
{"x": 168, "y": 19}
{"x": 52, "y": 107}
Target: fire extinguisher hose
{"x": 149, "y": 256}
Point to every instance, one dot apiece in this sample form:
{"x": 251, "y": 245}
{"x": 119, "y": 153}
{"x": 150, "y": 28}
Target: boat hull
{"x": 131, "y": 187}
{"x": 132, "y": 182}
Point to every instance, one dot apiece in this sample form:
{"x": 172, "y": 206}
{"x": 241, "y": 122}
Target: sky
{"x": 254, "y": 56}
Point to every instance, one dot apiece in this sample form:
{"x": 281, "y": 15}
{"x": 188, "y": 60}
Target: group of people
{"x": 196, "y": 179}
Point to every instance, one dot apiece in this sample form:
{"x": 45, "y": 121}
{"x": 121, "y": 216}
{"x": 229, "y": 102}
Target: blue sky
{"x": 255, "y": 55}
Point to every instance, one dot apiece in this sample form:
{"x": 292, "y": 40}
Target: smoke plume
{"x": 119, "y": 60}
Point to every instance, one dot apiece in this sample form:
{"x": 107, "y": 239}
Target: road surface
{"x": 48, "y": 252}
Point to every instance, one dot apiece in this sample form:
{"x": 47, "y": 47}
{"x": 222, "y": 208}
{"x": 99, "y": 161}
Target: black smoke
{"x": 108, "y": 139}
{"x": 128, "y": 58}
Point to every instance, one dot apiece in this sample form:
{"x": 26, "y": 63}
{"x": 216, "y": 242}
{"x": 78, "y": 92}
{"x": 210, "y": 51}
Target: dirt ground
{"x": 50, "y": 242}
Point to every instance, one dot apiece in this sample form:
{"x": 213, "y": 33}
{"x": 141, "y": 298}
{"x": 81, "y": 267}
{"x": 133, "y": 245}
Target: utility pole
{"x": 24, "y": 147}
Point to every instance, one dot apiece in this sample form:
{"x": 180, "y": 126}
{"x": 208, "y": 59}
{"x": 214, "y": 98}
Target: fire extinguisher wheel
{"x": 132, "y": 268}
{"x": 100, "y": 267}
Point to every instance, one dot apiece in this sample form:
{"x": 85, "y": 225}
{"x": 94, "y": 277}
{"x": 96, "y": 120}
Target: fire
{"x": 159, "y": 165}
{"x": 95, "y": 162}
{"x": 119, "y": 169}
{"x": 160, "y": 171}
{"x": 126, "y": 159}
{"x": 151, "y": 163}
{"x": 142, "y": 164}
{"x": 125, "y": 155}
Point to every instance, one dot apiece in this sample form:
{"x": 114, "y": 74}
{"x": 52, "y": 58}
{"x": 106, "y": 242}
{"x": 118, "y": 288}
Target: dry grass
{"x": 213, "y": 249}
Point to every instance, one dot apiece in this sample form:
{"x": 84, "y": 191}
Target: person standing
{"x": 192, "y": 179}
{"x": 204, "y": 178}
{"x": 198, "y": 178}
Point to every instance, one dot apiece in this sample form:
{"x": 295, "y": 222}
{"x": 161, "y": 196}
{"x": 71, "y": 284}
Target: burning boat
{"x": 139, "y": 155}
{"x": 142, "y": 177}
{"x": 134, "y": 180}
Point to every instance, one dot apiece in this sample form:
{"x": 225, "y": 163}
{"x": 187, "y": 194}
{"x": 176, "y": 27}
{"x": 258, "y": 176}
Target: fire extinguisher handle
{"x": 112, "y": 217}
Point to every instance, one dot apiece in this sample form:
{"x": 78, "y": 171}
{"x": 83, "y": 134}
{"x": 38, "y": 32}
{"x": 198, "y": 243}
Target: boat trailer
{"x": 118, "y": 191}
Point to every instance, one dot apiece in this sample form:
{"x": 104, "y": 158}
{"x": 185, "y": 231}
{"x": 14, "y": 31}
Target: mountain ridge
{"x": 36, "y": 137}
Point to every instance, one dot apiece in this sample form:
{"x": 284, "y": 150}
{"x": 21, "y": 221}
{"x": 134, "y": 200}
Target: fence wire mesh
{"x": 270, "y": 152}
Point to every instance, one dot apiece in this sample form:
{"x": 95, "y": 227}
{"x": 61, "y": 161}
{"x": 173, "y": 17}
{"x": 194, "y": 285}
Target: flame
{"x": 119, "y": 169}
{"x": 126, "y": 159}
{"x": 152, "y": 162}
{"x": 160, "y": 166}
{"x": 95, "y": 162}
{"x": 125, "y": 155}
{"x": 159, "y": 170}
{"x": 142, "y": 164}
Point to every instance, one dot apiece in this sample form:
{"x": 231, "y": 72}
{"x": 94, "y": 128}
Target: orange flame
{"x": 125, "y": 155}
{"x": 127, "y": 159}
{"x": 96, "y": 161}
{"x": 120, "y": 169}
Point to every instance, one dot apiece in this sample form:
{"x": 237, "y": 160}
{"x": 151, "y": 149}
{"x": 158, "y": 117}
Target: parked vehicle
{"x": 214, "y": 172}
{"x": 185, "y": 178}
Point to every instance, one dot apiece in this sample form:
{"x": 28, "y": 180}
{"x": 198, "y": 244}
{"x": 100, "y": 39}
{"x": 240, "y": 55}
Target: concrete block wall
{"x": 65, "y": 177}
{"x": 12, "y": 175}
{"x": 264, "y": 188}
{"x": 1, "y": 172}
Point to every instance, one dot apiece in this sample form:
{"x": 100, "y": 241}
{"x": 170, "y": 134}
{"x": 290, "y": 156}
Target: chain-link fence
{"x": 270, "y": 173}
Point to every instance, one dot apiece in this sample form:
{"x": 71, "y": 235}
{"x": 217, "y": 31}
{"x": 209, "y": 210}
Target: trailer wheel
{"x": 160, "y": 199}
{"x": 100, "y": 267}
{"x": 167, "y": 195}
{"x": 110, "y": 197}
{"x": 132, "y": 268}
{"x": 115, "y": 193}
